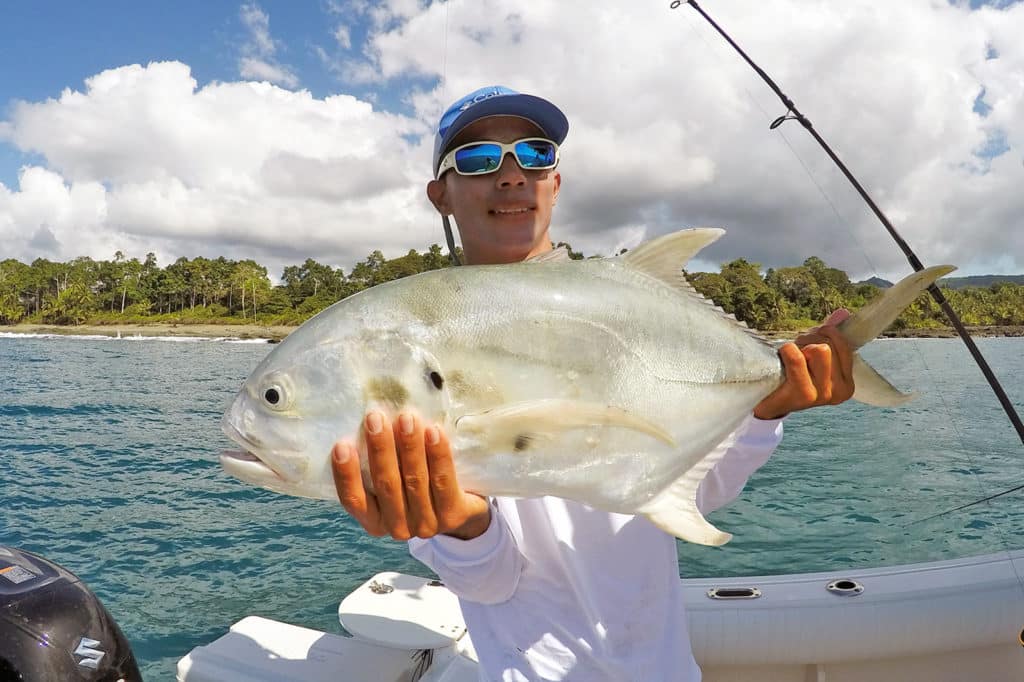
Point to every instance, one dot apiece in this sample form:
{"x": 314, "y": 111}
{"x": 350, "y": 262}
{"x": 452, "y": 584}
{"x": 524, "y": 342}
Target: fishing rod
{"x": 792, "y": 113}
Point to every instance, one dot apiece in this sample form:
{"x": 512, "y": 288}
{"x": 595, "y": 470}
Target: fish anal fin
{"x": 664, "y": 257}
{"x": 687, "y": 523}
{"x": 675, "y": 511}
{"x": 872, "y": 388}
{"x": 519, "y": 426}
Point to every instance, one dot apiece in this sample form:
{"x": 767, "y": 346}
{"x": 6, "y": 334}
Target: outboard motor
{"x": 54, "y": 629}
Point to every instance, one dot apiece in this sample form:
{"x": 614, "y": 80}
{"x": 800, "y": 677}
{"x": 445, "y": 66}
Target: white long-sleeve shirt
{"x": 556, "y": 590}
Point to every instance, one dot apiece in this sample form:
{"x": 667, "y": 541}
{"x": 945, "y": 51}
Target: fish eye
{"x": 276, "y": 395}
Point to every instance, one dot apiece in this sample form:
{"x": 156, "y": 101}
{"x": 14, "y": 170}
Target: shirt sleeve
{"x": 746, "y": 451}
{"x": 485, "y": 569}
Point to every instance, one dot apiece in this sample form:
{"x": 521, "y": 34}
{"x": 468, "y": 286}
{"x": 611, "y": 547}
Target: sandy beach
{"x": 237, "y": 331}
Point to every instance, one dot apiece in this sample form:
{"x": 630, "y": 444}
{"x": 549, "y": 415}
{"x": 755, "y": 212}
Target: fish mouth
{"x": 248, "y": 466}
{"x": 245, "y": 464}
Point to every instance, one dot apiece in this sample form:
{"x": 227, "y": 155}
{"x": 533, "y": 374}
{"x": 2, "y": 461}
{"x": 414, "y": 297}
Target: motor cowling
{"x": 53, "y": 628}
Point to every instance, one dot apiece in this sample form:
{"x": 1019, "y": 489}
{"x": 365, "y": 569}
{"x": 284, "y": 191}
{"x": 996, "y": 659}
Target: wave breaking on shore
{"x": 132, "y": 337}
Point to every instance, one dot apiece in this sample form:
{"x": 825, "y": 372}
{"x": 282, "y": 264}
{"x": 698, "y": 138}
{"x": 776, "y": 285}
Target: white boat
{"x": 946, "y": 621}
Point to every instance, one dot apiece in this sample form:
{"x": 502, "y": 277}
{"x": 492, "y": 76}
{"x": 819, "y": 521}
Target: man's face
{"x": 503, "y": 217}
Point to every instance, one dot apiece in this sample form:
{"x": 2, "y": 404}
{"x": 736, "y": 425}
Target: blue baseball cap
{"x": 497, "y": 100}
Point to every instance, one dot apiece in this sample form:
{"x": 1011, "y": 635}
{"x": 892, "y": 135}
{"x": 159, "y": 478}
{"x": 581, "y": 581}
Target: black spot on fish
{"x": 436, "y": 379}
{"x": 523, "y": 441}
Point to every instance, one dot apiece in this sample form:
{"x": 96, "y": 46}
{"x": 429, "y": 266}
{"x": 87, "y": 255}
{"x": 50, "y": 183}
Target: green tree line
{"x": 127, "y": 290}
{"x": 795, "y": 298}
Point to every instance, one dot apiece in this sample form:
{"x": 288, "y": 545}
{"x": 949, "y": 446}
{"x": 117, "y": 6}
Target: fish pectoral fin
{"x": 675, "y": 511}
{"x": 519, "y": 426}
{"x": 872, "y": 388}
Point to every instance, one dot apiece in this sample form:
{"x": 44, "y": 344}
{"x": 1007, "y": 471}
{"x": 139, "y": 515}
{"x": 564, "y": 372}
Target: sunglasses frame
{"x": 448, "y": 162}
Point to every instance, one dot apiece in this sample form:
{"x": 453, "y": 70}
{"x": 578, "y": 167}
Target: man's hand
{"x": 819, "y": 371}
{"x": 416, "y": 492}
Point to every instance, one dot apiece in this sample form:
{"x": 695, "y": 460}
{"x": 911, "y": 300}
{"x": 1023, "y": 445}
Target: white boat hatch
{"x": 734, "y": 593}
{"x": 403, "y": 612}
{"x": 262, "y": 650}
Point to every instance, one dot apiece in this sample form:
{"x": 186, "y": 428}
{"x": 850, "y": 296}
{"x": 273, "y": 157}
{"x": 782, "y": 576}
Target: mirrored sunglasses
{"x": 481, "y": 158}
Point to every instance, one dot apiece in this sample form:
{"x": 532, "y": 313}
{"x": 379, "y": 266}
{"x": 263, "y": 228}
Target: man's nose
{"x": 509, "y": 173}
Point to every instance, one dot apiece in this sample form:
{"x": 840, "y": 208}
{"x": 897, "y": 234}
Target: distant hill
{"x": 983, "y": 281}
{"x": 973, "y": 281}
{"x": 877, "y": 281}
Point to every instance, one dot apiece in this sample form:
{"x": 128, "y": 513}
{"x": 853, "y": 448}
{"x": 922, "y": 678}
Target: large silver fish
{"x": 606, "y": 381}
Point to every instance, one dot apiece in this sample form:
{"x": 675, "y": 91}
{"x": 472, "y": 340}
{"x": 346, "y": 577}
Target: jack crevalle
{"x": 607, "y": 381}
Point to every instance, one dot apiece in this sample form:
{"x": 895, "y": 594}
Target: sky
{"x": 281, "y": 131}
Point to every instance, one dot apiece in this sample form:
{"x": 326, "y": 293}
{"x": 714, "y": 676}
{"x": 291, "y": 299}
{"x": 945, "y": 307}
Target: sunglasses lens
{"x": 535, "y": 154}
{"x": 478, "y": 158}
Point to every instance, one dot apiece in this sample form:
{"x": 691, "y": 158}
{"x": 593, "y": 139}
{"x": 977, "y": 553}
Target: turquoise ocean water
{"x": 109, "y": 467}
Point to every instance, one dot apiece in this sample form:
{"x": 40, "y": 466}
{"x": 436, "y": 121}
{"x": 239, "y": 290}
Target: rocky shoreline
{"x": 949, "y": 332}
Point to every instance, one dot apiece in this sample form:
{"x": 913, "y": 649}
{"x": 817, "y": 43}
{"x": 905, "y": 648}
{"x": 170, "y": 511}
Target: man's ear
{"x": 558, "y": 185}
{"x": 437, "y": 192}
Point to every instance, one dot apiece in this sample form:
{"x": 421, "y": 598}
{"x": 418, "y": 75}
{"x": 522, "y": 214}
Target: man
{"x": 550, "y": 589}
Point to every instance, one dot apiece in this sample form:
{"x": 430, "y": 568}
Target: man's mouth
{"x": 510, "y": 211}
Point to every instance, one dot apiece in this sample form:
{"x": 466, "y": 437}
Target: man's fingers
{"x": 842, "y": 363}
{"x": 798, "y": 378}
{"x": 386, "y": 474}
{"x": 408, "y": 433}
{"x": 348, "y": 481}
{"x": 819, "y": 364}
{"x": 444, "y": 485}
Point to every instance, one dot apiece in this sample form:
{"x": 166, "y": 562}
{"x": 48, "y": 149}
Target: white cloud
{"x": 258, "y": 69}
{"x": 258, "y": 23}
{"x": 257, "y": 60}
{"x": 145, "y": 160}
{"x": 668, "y": 128}
{"x": 343, "y": 37}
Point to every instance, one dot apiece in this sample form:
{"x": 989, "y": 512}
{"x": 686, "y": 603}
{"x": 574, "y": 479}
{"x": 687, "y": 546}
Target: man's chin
{"x": 495, "y": 254}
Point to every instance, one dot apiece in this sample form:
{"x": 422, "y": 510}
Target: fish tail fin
{"x": 675, "y": 511}
{"x": 874, "y": 318}
{"x": 871, "y": 388}
{"x": 870, "y": 321}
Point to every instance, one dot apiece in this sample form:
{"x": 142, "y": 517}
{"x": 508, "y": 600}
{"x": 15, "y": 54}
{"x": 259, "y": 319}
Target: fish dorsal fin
{"x": 556, "y": 255}
{"x": 663, "y": 258}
